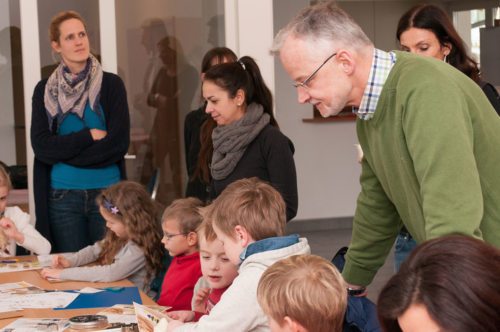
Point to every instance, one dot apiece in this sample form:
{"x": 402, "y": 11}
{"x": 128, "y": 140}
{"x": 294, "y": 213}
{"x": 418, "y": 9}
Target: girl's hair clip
{"x": 110, "y": 207}
{"x": 242, "y": 64}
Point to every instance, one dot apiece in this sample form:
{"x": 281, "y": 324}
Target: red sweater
{"x": 178, "y": 285}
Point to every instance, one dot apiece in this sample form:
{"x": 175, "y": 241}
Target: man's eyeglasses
{"x": 310, "y": 77}
{"x": 170, "y": 236}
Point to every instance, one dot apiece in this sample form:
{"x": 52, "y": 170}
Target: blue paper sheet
{"x": 106, "y": 298}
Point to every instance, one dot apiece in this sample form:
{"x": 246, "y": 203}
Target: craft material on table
{"x": 106, "y": 298}
{"x": 125, "y": 313}
{"x": 148, "y": 319}
{"x": 36, "y": 325}
{"x": 15, "y": 265}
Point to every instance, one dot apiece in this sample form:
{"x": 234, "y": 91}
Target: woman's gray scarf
{"x": 230, "y": 141}
{"x": 64, "y": 94}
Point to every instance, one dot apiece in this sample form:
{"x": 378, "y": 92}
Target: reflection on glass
{"x": 160, "y": 46}
{"x": 12, "y": 127}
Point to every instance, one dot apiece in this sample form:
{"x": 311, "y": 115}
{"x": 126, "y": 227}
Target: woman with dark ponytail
{"x": 247, "y": 141}
{"x": 198, "y": 127}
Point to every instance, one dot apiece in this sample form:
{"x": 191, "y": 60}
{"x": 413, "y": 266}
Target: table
{"x": 34, "y": 277}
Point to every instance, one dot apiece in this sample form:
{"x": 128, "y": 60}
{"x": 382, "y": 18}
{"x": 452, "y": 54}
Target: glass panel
{"x": 160, "y": 47}
{"x": 468, "y": 24}
{"x": 12, "y": 127}
{"x": 88, "y": 9}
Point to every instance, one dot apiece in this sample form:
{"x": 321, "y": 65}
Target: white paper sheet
{"x": 37, "y": 301}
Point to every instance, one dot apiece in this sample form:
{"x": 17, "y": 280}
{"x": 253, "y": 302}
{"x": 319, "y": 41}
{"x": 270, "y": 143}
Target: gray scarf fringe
{"x": 230, "y": 141}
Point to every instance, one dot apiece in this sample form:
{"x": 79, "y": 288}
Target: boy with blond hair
{"x": 179, "y": 223}
{"x": 218, "y": 274}
{"x": 249, "y": 218}
{"x": 303, "y": 293}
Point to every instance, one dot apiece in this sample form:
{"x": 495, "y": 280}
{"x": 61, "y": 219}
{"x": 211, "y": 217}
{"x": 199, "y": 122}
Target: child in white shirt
{"x": 15, "y": 227}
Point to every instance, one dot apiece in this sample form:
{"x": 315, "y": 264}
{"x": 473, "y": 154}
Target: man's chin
{"x": 327, "y": 112}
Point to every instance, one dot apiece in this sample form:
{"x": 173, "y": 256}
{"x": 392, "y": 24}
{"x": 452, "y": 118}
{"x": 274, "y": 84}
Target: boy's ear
{"x": 192, "y": 239}
{"x": 291, "y": 324}
{"x": 242, "y": 236}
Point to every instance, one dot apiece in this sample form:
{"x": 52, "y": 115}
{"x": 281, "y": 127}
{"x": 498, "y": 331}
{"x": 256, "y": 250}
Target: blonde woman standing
{"x": 80, "y": 134}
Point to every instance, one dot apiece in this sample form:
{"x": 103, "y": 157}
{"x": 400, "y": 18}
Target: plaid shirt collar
{"x": 381, "y": 67}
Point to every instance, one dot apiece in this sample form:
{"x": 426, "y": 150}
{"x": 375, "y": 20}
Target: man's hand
{"x": 356, "y": 290}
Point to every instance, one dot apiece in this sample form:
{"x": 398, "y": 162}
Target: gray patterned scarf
{"x": 64, "y": 93}
{"x": 230, "y": 141}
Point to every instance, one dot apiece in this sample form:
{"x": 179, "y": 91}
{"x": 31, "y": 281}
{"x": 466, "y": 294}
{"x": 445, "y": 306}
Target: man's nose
{"x": 302, "y": 95}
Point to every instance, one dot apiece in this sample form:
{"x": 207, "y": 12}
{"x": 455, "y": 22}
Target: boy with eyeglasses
{"x": 179, "y": 223}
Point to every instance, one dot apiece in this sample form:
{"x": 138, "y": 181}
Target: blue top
{"x": 65, "y": 176}
{"x": 271, "y": 243}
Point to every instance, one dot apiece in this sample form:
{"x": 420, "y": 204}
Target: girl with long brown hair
{"x": 131, "y": 247}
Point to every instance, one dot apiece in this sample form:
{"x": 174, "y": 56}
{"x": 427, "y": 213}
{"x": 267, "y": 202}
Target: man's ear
{"x": 346, "y": 61}
{"x": 292, "y": 325}
{"x": 192, "y": 238}
{"x": 242, "y": 235}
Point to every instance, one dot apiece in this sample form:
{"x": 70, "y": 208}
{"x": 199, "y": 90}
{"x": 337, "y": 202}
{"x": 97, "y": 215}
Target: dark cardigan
{"x": 77, "y": 149}
{"x": 192, "y": 144}
{"x": 270, "y": 158}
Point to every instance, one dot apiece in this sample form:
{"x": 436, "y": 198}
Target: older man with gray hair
{"x": 431, "y": 139}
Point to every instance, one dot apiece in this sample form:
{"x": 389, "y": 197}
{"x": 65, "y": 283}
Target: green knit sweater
{"x": 431, "y": 162}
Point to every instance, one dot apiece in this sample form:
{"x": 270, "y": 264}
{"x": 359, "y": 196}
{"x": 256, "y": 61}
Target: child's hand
{"x": 200, "y": 299}
{"x": 59, "y": 262}
{"x": 174, "y": 324}
{"x": 182, "y": 315}
{"x": 10, "y": 230}
{"x": 51, "y": 273}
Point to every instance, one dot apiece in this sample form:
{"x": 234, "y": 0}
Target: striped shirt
{"x": 381, "y": 67}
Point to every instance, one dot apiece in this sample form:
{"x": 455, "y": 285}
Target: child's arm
{"x": 60, "y": 262}
{"x": 18, "y": 227}
{"x": 128, "y": 261}
{"x": 238, "y": 309}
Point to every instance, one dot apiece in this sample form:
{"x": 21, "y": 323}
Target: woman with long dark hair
{"x": 450, "y": 283}
{"x": 427, "y": 30}
{"x": 247, "y": 141}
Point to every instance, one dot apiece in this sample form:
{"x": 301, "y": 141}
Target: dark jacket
{"x": 77, "y": 149}
{"x": 270, "y": 158}
{"x": 492, "y": 94}
{"x": 192, "y": 143}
